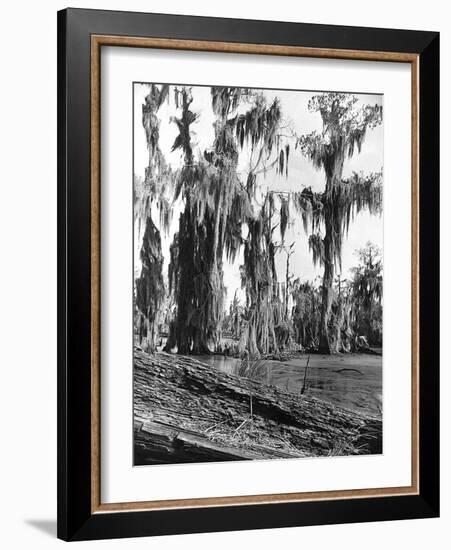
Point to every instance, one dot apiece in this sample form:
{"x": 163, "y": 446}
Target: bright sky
{"x": 300, "y": 174}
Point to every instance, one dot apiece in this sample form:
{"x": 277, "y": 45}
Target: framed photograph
{"x": 248, "y": 274}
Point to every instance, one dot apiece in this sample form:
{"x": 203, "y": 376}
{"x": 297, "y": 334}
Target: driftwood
{"x": 185, "y": 411}
{"x": 350, "y": 370}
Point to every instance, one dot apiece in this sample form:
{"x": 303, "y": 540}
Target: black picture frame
{"x": 75, "y": 518}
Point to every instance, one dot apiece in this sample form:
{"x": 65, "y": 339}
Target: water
{"x": 229, "y": 365}
{"x": 353, "y": 381}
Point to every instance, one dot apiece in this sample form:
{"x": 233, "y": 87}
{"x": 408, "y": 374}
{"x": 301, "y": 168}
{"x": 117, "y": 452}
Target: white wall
{"x": 28, "y": 273}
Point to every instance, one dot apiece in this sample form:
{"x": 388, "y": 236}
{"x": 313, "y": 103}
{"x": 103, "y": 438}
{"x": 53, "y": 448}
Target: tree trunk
{"x": 185, "y": 293}
{"x": 327, "y": 291}
{"x": 332, "y": 215}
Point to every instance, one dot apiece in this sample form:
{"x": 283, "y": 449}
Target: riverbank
{"x": 187, "y": 411}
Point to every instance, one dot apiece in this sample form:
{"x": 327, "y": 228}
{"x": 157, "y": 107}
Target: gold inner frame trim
{"x": 97, "y": 41}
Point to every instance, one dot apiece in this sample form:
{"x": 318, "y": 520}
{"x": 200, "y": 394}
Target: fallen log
{"x": 156, "y": 443}
{"x": 185, "y": 411}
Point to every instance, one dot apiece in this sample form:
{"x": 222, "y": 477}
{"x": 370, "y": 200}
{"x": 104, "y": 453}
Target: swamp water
{"x": 353, "y": 381}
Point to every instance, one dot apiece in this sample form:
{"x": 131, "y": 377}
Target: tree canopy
{"x": 227, "y": 212}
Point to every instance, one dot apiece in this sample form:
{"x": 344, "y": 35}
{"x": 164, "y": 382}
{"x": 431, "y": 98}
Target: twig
{"x": 215, "y": 425}
{"x": 241, "y": 425}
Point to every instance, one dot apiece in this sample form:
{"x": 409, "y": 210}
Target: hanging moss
{"x": 284, "y": 215}
{"x": 264, "y": 307}
{"x": 344, "y": 130}
{"x": 149, "y": 286}
{"x": 194, "y": 328}
{"x": 316, "y": 247}
{"x": 306, "y": 314}
{"x": 367, "y": 290}
{"x": 216, "y": 205}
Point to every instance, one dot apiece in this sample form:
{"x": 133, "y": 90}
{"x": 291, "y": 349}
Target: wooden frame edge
{"x": 415, "y": 274}
{"x": 262, "y": 49}
{"x": 95, "y": 277}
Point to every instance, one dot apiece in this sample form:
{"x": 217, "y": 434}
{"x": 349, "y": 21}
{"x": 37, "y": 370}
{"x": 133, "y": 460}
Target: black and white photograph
{"x": 258, "y": 273}
{"x": 225, "y": 294}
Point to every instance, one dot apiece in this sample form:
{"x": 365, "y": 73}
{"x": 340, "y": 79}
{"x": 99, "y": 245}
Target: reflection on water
{"x": 228, "y": 365}
{"x": 352, "y": 381}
